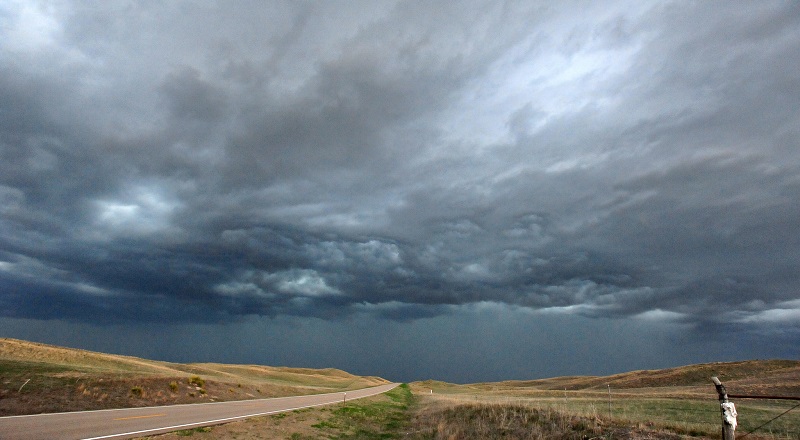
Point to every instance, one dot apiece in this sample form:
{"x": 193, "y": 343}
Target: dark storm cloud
{"x": 404, "y": 159}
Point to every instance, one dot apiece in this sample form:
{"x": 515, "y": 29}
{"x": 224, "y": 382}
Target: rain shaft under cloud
{"x": 206, "y": 163}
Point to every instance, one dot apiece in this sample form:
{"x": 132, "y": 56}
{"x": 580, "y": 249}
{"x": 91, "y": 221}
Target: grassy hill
{"x": 36, "y": 378}
{"x": 761, "y": 377}
{"x": 692, "y": 375}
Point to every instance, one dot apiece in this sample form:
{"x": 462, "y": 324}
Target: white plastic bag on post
{"x": 729, "y": 413}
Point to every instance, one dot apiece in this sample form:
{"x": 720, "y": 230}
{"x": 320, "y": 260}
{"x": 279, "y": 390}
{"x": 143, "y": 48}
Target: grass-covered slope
{"x": 762, "y": 377}
{"x": 691, "y": 375}
{"x": 37, "y": 378}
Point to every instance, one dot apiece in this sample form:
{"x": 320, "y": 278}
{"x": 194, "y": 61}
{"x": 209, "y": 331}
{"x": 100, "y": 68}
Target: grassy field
{"x": 681, "y": 400}
{"x": 688, "y": 417}
{"x": 36, "y": 378}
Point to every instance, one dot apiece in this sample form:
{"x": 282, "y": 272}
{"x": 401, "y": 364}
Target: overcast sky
{"x": 475, "y": 190}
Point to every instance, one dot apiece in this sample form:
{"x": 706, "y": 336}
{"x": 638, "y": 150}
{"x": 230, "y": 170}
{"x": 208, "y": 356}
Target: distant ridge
{"x": 762, "y": 377}
{"x": 690, "y": 375}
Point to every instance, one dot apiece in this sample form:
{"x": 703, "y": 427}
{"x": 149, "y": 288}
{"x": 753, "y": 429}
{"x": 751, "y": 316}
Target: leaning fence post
{"x": 728, "y": 411}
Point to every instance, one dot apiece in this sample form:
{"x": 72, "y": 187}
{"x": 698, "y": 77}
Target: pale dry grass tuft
{"x": 501, "y": 421}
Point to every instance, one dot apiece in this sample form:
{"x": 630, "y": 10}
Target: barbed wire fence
{"x": 729, "y": 413}
{"x": 688, "y": 415}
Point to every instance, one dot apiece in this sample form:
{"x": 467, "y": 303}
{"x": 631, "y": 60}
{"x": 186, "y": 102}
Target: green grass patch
{"x": 43, "y": 376}
{"x": 383, "y": 417}
{"x": 17, "y": 368}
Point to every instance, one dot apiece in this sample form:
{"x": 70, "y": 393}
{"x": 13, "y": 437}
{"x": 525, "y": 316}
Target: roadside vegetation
{"x": 384, "y": 418}
{"x": 38, "y": 378}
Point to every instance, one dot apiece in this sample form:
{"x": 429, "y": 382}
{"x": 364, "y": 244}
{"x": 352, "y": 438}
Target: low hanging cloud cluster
{"x": 400, "y": 160}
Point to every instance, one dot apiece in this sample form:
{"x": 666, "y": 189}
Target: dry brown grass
{"x": 79, "y": 360}
{"x": 495, "y": 421}
{"x": 678, "y": 400}
{"x": 65, "y": 379}
{"x": 784, "y": 374}
{"x": 772, "y": 377}
{"x": 297, "y": 424}
{"x": 437, "y": 419}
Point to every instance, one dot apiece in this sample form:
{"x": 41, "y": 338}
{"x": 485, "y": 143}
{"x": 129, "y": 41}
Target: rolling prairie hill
{"x": 37, "y": 378}
{"x": 757, "y": 377}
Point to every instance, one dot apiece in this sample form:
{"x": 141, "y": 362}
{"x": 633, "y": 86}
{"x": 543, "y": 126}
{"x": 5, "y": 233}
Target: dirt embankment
{"x": 59, "y": 392}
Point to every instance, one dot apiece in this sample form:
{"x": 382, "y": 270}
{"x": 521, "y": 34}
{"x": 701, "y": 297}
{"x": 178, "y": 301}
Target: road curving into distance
{"x": 138, "y": 422}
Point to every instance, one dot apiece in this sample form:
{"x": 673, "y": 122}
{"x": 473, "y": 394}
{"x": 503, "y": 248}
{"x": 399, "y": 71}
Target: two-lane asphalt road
{"x": 137, "y": 422}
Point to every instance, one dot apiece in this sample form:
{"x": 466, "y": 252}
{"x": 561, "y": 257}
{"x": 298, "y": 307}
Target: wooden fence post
{"x": 728, "y": 411}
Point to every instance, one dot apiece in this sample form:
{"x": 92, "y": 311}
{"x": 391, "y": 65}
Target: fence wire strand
{"x": 771, "y": 420}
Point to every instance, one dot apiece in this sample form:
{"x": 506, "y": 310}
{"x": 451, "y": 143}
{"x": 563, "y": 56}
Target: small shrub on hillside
{"x": 173, "y": 386}
{"x": 197, "y": 380}
{"x": 137, "y": 391}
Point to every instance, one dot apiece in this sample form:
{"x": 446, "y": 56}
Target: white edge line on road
{"x": 214, "y": 422}
{"x": 187, "y": 404}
